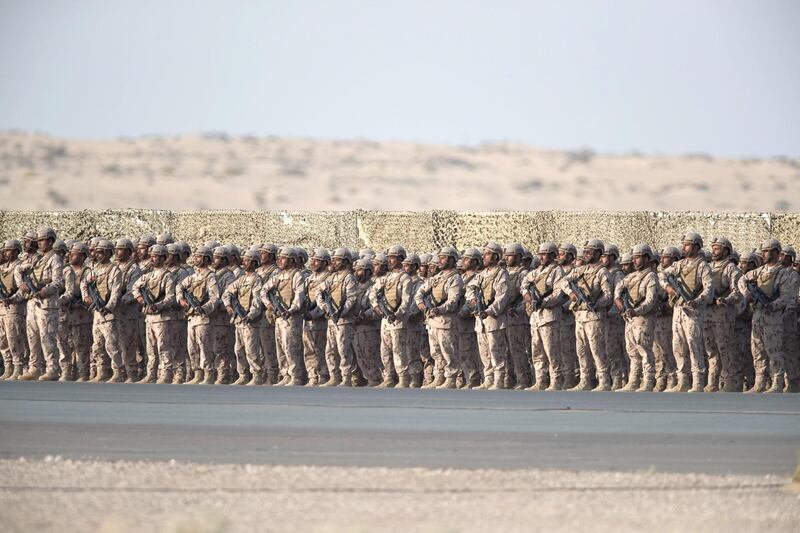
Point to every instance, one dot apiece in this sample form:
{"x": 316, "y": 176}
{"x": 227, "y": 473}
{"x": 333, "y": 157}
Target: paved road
{"x": 714, "y": 433}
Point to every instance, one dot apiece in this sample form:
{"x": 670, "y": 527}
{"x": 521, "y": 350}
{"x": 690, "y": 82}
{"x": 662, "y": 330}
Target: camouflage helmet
{"x": 268, "y": 248}
{"x": 79, "y": 248}
{"x": 472, "y": 253}
{"x": 425, "y": 258}
{"x": 321, "y": 254}
{"x": 722, "y": 241}
{"x": 750, "y": 257}
{"x": 185, "y": 248}
{"x": 547, "y": 248}
{"x": 626, "y": 259}
{"x": 397, "y": 251}
{"x": 734, "y": 257}
{"x": 369, "y": 253}
{"x": 691, "y": 237}
{"x": 253, "y": 255}
{"x": 789, "y": 251}
{"x": 569, "y": 248}
{"x": 221, "y": 251}
{"x": 12, "y": 244}
{"x": 212, "y": 244}
{"x": 165, "y": 238}
{"x": 770, "y": 244}
{"x": 60, "y": 246}
{"x": 535, "y": 261}
{"x": 671, "y": 251}
{"x": 104, "y": 244}
{"x": 287, "y": 251}
{"x": 642, "y": 249}
{"x": 380, "y": 258}
{"x": 124, "y": 244}
{"x": 204, "y": 251}
{"x": 363, "y": 264}
{"x": 448, "y": 251}
{"x": 412, "y": 259}
{"x": 612, "y": 249}
{"x": 93, "y": 242}
{"x": 45, "y": 233}
{"x": 146, "y": 240}
{"x": 494, "y": 248}
{"x": 234, "y": 251}
{"x": 655, "y": 257}
{"x": 528, "y": 255}
{"x": 594, "y": 245}
{"x": 30, "y": 235}
{"x": 173, "y": 249}
{"x": 341, "y": 253}
{"x": 514, "y": 248}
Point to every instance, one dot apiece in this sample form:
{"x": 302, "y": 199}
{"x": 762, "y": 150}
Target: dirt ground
{"x": 80, "y": 496}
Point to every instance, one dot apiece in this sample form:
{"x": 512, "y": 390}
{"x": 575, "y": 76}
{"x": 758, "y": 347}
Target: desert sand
{"x": 215, "y": 171}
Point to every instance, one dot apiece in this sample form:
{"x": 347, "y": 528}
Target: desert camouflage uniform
{"x": 224, "y": 336}
{"x": 662, "y": 338}
{"x": 247, "y": 288}
{"x": 519, "y": 373}
{"x": 368, "y": 337}
{"x": 445, "y": 288}
{"x": 616, "y": 336}
{"x": 74, "y": 327}
{"x": 274, "y": 369}
{"x": 12, "y": 320}
{"x": 545, "y": 325}
{"x": 340, "y": 350}
{"x": 719, "y": 338}
{"x": 315, "y": 331}
{"x": 567, "y": 331}
{"x": 641, "y": 287}
{"x": 492, "y": 283}
{"x": 289, "y": 286}
{"x": 105, "y": 327}
{"x": 469, "y": 356}
{"x": 128, "y": 315}
{"x": 419, "y": 350}
{"x": 179, "y": 273}
{"x": 397, "y": 287}
{"x": 791, "y": 335}
{"x": 163, "y": 326}
{"x": 200, "y": 338}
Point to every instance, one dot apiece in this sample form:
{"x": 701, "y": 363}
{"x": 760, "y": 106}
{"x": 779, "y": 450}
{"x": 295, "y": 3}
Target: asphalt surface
{"x": 709, "y": 433}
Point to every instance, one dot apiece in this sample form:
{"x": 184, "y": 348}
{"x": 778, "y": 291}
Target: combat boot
{"x": 732, "y": 384}
{"x": 429, "y": 385}
{"x": 556, "y": 383}
{"x": 416, "y": 380}
{"x": 166, "y": 377}
{"x": 31, "y": 375}
{"x": 404, "y": 382}
{"x": 449, "y": 383}
{"x": 313, "y": 381}
{"x": 438, "y": 381}
{"x": 538, "y": 386}
{"x": 66, "y": 373}
{"x": 17, "y": 373}
{"x": 682, "y": 385}
{"x": 617, "y": 383}
{"x": 777, "y": 384}
{"x": 294, "y": 382}
{"x": 792, "y": 386}
{"x": 387, "y": 383}
{"x": 661, "y": 384}
{"x": 133, "y": 374}
{"x": 697, "y": 383}
{"x": 242, "y": 380}
{"x": 335, "y": 380}
{"x": 603, "y": 383}
{"x": 116, "y": 377}
{"x": 648, "y": 384}
{"x": 672, "y": 381}
{"x": 98, "y": 377}
{"x": 711, "y": 387}
{"x": 208, "y": 379}
{"x": 634, "y": 381}
{"x": 7, "y": 371}
{"x": 284, "y": 380}
{"x": 460, "y": 381}
{"x": 197, "y": 379}
{"x": 760, "y": 385}
{"x": 50, "y": 375}
{"x": 499, "y": 380}
{"x": 222, "y": 377}
{"x": 180, "y": 375}
{"x": 257, "y": 379}
{"x": 347, "y": 381}
{"x": 583, "y": 385}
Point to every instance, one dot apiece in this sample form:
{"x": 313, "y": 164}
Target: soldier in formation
{"x": 682, "y": 319}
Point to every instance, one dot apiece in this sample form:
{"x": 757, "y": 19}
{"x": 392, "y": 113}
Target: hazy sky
{"x": 675, "y": 76}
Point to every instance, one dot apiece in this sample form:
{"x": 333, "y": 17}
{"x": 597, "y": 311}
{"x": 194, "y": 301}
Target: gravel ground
{"x": 65, "y": 495}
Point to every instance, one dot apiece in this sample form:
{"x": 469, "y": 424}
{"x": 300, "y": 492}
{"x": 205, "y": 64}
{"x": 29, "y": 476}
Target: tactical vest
{"x": 392, "y": 290}
{"x": 337, "y": 288}
{"x": 487, "y": 287}
{"x": 285, "y": 288}
{"x": 198, "y": 288}
{"x": 125, "y": 272}
{"x": 246, "y": 291}
{"x": 635, "y": 287}
{"x": 156, "y": 284}
{"x": 315, "y": 285}
{"x": 540, "y": 280}
{"x": 721, "y": 284}
{"x": 689, "y": 275}
{"x": 40, "y": 269}
{"x": 103, "y": 282}
{"x": 7, "y": 277}
{"x": 437, "y": 286}
{"x": 766, "y": 280}
{"x": 586, "y": 283}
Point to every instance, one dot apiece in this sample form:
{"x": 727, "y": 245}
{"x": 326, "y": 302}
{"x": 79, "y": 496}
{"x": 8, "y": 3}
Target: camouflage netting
{"x": 418, "y": 231}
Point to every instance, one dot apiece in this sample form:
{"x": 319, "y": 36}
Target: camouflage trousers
{"x": 517, "y": 344}
{"x": 248, "y": 350}
{"x": 427, "y": 357}
{"x": 791, "y": 346}
{"x": 639, "y": 344}
{"x": 493, "y": 348}
{"x": 546, "y": 350}
{"x": 368, "y": 349}
{"x": 443, "y": 345}
{"x": 569, "y": 355}
{"x": 616, "y": 348}
{"x": 129, "y": 342}
{"x": 590, "y": 344}
{"x": 722, "y": 354}
{"x": 340, "y": 349}
{"x": 224, "y": 348}
{"x": 289, "y": 346}
{"x": 75, "y": 346}
{"x": 12, "y": 338}
{"x": 416, "y": 348}
{"x": 41, "y": 327}
{"x": 767, "y": 346}
{"x": 269, "y": 350}
{"x": 105, "y": 345}
{"x": 687, "y": 341}
{"x": 162, "y": 345}
{"x": 200, "y": 341}
{"x": 662, "y": 347}
{"x": 182, "y": 349}
{"x": 469, "y": 357}
{"x": 395, "y": 352}
{"x": 314, "y": 341}
{"x": 744, "y": 328}
{"x": 141, "y": 351}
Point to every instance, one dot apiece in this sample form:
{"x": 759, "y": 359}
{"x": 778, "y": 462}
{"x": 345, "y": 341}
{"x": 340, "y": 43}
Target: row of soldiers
{"x": 501, "y": 317}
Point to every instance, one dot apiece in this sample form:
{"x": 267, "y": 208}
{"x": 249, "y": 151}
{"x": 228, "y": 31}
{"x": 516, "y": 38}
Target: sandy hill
{"x": 214, "y": 171}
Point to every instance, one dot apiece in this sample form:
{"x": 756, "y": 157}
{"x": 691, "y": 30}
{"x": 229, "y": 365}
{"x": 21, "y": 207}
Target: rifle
{"x": 3, "y": 291}
{"x": 238, "y": 310}
{"x": 27, "y": 277}
{"x": 147, "y": 297}
{"x": 276, "y": 302}
{"x": 758, "y": 295}
{"x": 582, "y": 298}
{"x": 536, "y": 298}
{"x": 627, "y": 304}
{"x": 679, "y": 288}
{"x": 383, "y": 305}
{"x": 427, "y": 301}
{"x": 194, "y": 303}
{"x": 332, "y": 311}
{"x": 97, "y": 301}
{"x": 480, "y": 306}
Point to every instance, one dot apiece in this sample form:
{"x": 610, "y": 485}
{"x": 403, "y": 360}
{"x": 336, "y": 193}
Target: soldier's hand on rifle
{"x": 421, "y": 307}
{"x": 151, "y": 310}
{"x": 184, "y": 303}
{"x": 23, "y": 288}
{"x": 139, "y": 299}
{"x": 87, "y": 301}
{"x": 377, "y": 311}
{"x": 527, "y": 297}
{"x": 619, "y": 304}
{"x": 483, "y": 315}
{"x": 229, "y": 309}
{"x": 627, "y": 315}
{"x": 573, "y": 297}
{"x": 434, "y": 312}
{"x": 671, "y": 291}
{"x": 41, "y": 294}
